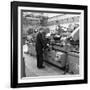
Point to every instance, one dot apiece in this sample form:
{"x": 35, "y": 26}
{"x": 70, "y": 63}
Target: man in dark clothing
{"x": 41, "y": 44}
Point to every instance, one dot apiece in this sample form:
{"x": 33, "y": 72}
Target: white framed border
{"x": 57, "y": 77}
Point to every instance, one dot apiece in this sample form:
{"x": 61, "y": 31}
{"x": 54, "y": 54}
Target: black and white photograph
{"x": 50, "y": 44}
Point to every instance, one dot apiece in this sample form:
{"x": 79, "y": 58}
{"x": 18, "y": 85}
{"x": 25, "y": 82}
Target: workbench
{"x": 69, "y": 58}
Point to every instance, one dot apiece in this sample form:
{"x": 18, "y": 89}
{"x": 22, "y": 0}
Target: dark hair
{"x": 40, "y": 29}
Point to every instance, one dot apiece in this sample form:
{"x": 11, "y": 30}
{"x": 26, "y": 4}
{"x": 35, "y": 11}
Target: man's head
{"x": 41, "y": 29}
{"x": 44, "y": 30}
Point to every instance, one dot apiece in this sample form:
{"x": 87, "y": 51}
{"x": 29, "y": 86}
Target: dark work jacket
{"x": 41, "y": 43}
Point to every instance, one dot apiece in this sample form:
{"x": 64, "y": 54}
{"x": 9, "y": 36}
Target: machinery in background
{"x": 64, "y": 52}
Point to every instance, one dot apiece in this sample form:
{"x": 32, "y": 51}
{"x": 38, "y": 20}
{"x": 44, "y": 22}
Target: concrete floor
{"x": 31, "y": 69}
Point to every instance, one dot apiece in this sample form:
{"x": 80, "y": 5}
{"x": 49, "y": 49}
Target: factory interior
{"x": 62, "y": 56}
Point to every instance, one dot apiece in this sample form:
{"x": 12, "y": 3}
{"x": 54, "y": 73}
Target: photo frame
{"x": 22, "y": 10}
